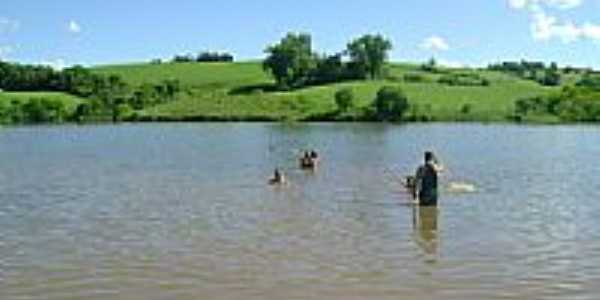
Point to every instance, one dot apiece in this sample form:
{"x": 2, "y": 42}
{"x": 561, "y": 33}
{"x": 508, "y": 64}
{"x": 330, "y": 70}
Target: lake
{"x": 183, "y": 211}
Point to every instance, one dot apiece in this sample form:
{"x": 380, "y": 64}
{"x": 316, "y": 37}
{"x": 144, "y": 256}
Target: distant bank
{"x": 242, "y": 91}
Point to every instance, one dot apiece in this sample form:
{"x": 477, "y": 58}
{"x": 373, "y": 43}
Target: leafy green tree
{"x": 369, "y": 54}
{"x": 344, "y": 99}
{"x": 551, "y": 78}
{"x": 79, "y": 81}
{"x": 390, "y": 104}
{"x": 430, "y": 66}
{"x": 291, "y": 60}
{"x": 115, "y": 94}
{"x": 82, "y": 111}
{"x": 589, "y": 81}
{"x": 4, "y": 112}
{"x": 36, "y": 112}
{"x": 16, "y": 113}
{"x": 121, "y": 111}
{"x": 57, "y": 109}
{"x": 329, "y": 68}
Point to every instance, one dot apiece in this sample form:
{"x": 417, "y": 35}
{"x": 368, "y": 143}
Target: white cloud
{"x": 8, "y": 25}
{"x": 545, "y": 27}
{"x": 435, "y": 43}
{"x": 537, "y": 4}
{"x": 74, "y": 27}
{"x": 57, "y": 64}
{"x": 517, "y": 4}
{"x": 5, "y": 51}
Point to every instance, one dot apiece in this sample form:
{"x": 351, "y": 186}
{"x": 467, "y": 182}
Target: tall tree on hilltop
{"x": 369, "y": 54}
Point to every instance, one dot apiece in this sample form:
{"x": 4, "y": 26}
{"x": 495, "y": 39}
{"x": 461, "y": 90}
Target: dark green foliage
{"x": 5, "y": 113}
{"x": 344, "y": 99}
{"x": 291, "y": 60}
{"x": 16, "y": 77}
{"x": 109, "y": 96}
{"x": 466, "y": 109}
{"x": 532, "y": 70}
{"x": 293, "y": 63}
{"x": 430, "y": 66}
{"x": 551, "y": 78}
{"x": 463, "y": 79}
{"x": 36, "y": 110}
{"x": 207, "y": 56}
{"x": 390, "y": 103}
{"x": 570, "y": 105}
{"x": 82, "y": 111}
{"x": 368, "y": 55}
{"x": 415, "y": 78}
{"x": 214, "y": 57}
{"x": 328, "y": 69}
{"x": 517, "y": 67}
{"x": 590, "y": 81}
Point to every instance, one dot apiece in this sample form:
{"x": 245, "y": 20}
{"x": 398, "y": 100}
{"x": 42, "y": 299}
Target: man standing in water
{"x": 426, "y": 181}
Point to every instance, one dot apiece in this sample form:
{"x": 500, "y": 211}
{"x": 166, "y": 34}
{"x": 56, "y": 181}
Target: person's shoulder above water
{"x": 278, "y": 177}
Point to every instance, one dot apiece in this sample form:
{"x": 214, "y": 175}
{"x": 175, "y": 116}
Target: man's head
{"x": 429, "y": 157}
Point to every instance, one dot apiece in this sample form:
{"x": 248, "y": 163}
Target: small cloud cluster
{"x": 559, "y": 4}
{"x": 74, "y": 27}
{"x": 435, "y": 43}
{"x": 545, "y": 27}
{"x": 5, "y": 51}
{"x": 8, "y": 25}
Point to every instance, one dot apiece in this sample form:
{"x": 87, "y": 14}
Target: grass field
{"x": 224, "y": 91}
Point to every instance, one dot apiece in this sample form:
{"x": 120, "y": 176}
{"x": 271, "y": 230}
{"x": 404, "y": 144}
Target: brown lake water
{"x": 183, "y": 211}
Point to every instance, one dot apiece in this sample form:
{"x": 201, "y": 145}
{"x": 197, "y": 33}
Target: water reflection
{"x": 173, "y": 211}
{"x": 425, "y": 227}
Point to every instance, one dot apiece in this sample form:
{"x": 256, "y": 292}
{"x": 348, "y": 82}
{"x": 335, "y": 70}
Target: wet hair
{"x": 429, "y": 156}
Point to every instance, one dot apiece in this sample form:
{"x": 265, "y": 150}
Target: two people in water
{"x": 423, "y": 186}
{"x": 309, "y": 160}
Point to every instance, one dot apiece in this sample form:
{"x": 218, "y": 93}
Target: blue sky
{"x": 472, "y": 32}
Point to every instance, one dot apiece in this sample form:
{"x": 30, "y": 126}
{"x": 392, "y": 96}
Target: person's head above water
{"x": 429, "y": 157}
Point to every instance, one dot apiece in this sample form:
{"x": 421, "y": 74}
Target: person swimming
{"x": 278, "y": 177}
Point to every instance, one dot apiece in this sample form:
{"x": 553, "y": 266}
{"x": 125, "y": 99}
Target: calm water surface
{"x": 182, "y": 211}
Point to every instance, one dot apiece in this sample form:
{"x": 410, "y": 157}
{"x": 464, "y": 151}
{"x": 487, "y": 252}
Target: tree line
{"x": 579, "y": 103}
{"x": 531, "y": 70}
{"x": 35, "y": 110}
{"x": 108, "y": 97}
{"x": 207, "y": 56}
{"x": 294, "y": 64}
{"x": 390, "y": 104}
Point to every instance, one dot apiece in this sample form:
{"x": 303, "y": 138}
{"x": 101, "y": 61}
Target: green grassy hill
{"x": 236, "y": 91}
